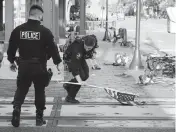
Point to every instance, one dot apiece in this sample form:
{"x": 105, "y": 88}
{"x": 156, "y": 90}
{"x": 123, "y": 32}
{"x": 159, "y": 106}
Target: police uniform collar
{"x": 34, "y": 21}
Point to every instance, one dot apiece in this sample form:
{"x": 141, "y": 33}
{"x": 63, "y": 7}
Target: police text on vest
{"x": 30, "y": 35}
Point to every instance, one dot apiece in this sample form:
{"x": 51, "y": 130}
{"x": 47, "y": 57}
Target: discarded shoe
{"x": 116, "y": 64}
{"x": 96, "y": 67}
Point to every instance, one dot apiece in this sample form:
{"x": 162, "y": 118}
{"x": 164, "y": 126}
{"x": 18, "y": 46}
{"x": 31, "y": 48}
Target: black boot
{"x": 39, "y": 118}
{"x": 66, "y": 87}
{"x": 71, "y": 100}
{"x": 72, "y": 94}
{"x": 16, "y": 116}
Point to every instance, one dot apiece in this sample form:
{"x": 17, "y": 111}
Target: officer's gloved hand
{"x": 0, "y": 65}
{"x": 13, "y": 67}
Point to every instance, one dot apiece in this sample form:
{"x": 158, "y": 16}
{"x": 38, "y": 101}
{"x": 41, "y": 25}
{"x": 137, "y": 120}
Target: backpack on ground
{"x": 123, "y": 35}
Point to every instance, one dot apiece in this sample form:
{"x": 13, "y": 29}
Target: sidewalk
{"x": 154, "y": 29}
{"x": 98, "y": 112}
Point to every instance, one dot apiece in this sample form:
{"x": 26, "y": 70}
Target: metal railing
{"x": 93, "y": 25}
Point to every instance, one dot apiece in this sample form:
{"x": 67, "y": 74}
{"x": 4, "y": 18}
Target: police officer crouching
{"x": 75, "y": 56}
{"x": 35, "y": 43}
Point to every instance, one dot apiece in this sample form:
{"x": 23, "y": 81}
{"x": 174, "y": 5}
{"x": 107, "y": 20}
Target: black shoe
{"x": 16, "y": 117}
{"x": 71, "y": 100}
{"x": 96, "y": 67}
{"x": 66, "y": 87}
{"x": 116, "y": 64}
{"x": 141, "y": 79}
{"x": 40, "y": 122}
{"x": 39, "y": 118}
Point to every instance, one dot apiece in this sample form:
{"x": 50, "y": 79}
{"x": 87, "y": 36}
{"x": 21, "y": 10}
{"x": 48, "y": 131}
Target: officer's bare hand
{"x": 58, "y": 68}
{"x": 13, "y": 67}
{"x": 83, "y": 83}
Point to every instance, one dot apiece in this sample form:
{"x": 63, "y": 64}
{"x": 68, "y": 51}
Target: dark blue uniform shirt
{"x": 33, "y": 41}
{"x": 76, "y": 56}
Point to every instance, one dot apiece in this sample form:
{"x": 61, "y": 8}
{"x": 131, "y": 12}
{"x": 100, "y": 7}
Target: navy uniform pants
{"x": 28, "y": 73}
{"x": 84, "y": 74}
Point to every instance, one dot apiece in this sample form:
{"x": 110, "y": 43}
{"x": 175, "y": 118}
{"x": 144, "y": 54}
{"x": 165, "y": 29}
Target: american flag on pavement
{"x": 121, "y": 97}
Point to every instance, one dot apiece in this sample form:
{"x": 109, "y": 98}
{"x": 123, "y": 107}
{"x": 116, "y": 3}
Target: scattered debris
{"x": 93, "y": 74}
{"x": 124, "y": 75}
{"x": 158, "y": 66}
{"x": 120, "y": 59}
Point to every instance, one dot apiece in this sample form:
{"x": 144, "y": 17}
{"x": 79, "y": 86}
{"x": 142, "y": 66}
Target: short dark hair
{"x": 89, "y": 40}
{"x": 36, "y": 7}
{"x": 96, "y": 41}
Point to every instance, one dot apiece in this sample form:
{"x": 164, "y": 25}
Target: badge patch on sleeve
{"x": 30, "y": 35}
{"x": 78, "y": 56}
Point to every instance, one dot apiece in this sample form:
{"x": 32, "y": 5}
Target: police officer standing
{"x": 75, "y": 56}
{"x": 34, "y": 43}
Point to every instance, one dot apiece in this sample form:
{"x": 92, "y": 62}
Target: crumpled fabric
{"x": 121, "y": 59}
{"x": 157, "y": 66}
